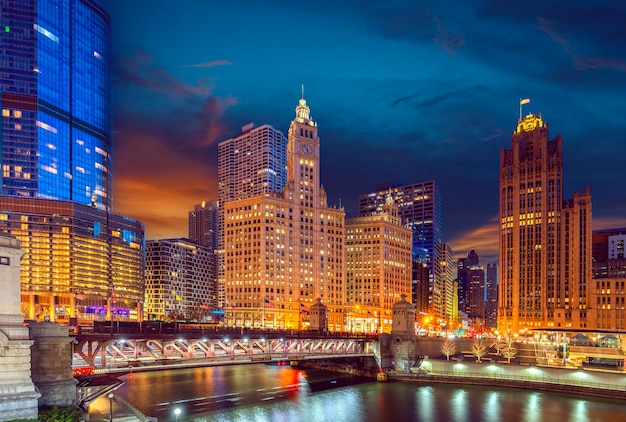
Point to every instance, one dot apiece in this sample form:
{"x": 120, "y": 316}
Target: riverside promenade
{"x": 597, "y": 383}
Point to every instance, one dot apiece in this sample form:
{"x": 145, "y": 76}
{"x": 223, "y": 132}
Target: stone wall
{"x": 52, "y": 364}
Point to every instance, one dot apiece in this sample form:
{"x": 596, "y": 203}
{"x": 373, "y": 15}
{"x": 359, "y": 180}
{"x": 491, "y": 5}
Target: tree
{"x": 498, "y": 345}
{"x": 509, "y": 351}
{"x": 448, "y": 348}
{"x": 479, "y": 348}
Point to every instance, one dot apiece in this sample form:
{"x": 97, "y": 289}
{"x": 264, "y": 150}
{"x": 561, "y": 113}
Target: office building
{"x": 250, "y": 164}
{"x": 180, "y": 281}
{"x": 79, "y": 261}
{"x": 607, "y": 292}
{"x": 420, "y": 207}
{"x": 378, "y": 268}
{"x": 446, "y": 306}
{"x": 491, "y": 297}
{"x": 203, "y": 224}
{"x": 283, "y": 251}
{"x": 545, "y": 242}
{"x": 55, "y": 94}
{"x": 471, "y": 276}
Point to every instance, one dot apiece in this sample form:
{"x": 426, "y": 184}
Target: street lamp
{"x": 177, "y": 413}
{"x": 110, "y": 407}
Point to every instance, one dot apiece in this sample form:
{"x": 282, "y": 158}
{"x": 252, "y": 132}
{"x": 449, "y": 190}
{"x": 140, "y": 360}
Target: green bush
{"x": 60, "y": 414}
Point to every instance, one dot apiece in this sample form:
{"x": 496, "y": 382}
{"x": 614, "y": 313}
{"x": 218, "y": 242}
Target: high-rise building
{"x": 471, "y": 277}
{"x": 284, "y": 251}
{"x": 180, "y": 280}
{"x": 607, "y": 292}
{"x": 491, "y": 301}
{"x": 420, "y": 288}
{"x": 378, "y": 268}
{"x": 545, "y": 242}
{"x": 55, "y": 97}
{"x": 55, "y": 94}
{"x": 79, "y": 261}
{"x": 420, "y": 207}
{"x": 250, "y": 164}
{"x": 446, "y": 308}
{"x": 203, "y": 224}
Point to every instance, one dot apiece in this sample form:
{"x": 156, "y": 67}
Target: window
{"x": 4, "y": 260}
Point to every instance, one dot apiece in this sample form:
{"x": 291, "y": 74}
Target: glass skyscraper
{"x": 55, "y": 85}
{"x": 81, "y": 260}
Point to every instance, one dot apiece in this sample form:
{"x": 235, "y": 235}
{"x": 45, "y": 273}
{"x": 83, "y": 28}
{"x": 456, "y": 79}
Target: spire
{"x": 302, "y": 111}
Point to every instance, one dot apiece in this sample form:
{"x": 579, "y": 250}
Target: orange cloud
{"x": 484, "y": 240}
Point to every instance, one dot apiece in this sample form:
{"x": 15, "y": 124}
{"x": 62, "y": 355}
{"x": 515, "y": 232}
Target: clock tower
{"x": 303, "y": 156}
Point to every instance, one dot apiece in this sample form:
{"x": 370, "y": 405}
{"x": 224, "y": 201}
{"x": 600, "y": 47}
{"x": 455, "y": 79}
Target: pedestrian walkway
{"x": 100, "y": 411}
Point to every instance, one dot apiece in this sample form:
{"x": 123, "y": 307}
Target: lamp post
{"x": 177, "y": 413}
{"x": 110, "y": 407}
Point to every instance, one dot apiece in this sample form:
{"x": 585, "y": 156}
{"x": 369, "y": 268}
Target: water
{"x": 271, "y": 393}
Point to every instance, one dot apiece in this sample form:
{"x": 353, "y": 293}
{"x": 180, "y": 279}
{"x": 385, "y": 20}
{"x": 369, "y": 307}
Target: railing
{"x": 522, "y": 378}
{"x": 134, "y": 410}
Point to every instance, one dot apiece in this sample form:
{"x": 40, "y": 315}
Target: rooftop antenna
{"x": 303, "y": 91}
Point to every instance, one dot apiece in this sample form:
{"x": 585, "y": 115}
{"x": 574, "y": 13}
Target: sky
{"x": 402, "y": 91}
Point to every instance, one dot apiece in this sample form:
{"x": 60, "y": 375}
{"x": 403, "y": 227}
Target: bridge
{"x": 99, "y": 356}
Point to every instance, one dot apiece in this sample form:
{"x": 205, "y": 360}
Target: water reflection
{"x": 268, "y": 393}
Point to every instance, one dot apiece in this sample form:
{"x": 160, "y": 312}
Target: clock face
{"x": 306, "y": 149}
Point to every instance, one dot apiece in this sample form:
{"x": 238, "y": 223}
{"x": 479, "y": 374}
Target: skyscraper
{"x": 545, "y": 242}
{"x": 55, "y": 87}
{"x": 378, "y": 268}
{"x": 283, "y": 251}
{"x": 249, "y": 164}
{"x": 420, "y": 207}
{"x": 203, "y": 224}
{"x": 55, "y": 190}
{"x": 491, "y": 301}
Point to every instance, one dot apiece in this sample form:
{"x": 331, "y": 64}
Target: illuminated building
{"x": 420, "y": 287}
{"x": 180, "y": 280}
{"x": 420, "y": 207}
{"x": 203, "y": 224}
{"x": 55, "y": 94}
{"x": 607, "y": 292}
{"x": 471, "y": 277}
{"x": 284, "y": 250}
{"x": 545, "y": 242}
{"x": 491, "y": 301}
{"x": 249, "y": 164}
{"x": 79, "y": 260}
{"x": 378, "y": 268}
{"x": 448, "y": 312}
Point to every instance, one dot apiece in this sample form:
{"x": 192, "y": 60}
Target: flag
{"x": 303, "y": 308}
{"x": 81, "y": 297}
{"x": 369, "y": 313}
{"x": 204, "y": 307}
{"x": 269, "y": 304}
{"x": 524, "y": 101}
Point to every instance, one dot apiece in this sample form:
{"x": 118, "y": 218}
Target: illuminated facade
{"x": 203, "y": 224}
{"x": 420, "y": 207}
{"x": 250, "y": 164}
{"x": 607, "y": 293}
{"x": 180, "y": 280}
{"x": 55, "y": 96}
{"x": 79, "y": 261}
{"x": 545, "y": 242}
{"x": 283, "y": 251}
{"x": 378, "y": 269}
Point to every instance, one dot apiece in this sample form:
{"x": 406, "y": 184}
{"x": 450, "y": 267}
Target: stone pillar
{"x": 52, "y": 364}
{"x": 318, "y": 317}
{"x": 18, "y": 397}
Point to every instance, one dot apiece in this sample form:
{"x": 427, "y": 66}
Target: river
{"x": 277, "y": 393}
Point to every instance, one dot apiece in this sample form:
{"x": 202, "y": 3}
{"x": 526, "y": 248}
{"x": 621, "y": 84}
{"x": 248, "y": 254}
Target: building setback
{"x": 420, "y": 207}
{"x": 378, "y": 269}
{"x": 545, "y": 242}
{"x": 79, "y": 261}
{"x": 283, "y": 251}
{"x": 180, "y": 280}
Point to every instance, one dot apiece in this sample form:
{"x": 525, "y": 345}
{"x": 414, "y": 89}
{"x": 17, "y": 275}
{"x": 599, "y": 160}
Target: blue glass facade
{"x": 55, "y": 69}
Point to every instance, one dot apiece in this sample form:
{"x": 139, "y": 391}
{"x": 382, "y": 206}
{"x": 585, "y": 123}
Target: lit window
{"x": 4, "y": 260}
{"x": 17, "y": 113}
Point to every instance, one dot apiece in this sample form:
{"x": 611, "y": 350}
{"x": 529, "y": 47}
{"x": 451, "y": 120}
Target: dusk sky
{"x": 403, "y": 92}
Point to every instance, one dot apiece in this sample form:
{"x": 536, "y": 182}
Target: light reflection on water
{"x": 263, "y": 393}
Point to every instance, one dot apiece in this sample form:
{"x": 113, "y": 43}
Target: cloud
{"x": 483, "y": 239}
{"x": 449, "y": 41}
{"x": 213, "y": 63}
{"x": 165, "y": 144}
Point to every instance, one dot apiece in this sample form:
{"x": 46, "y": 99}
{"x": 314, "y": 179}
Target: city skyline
{"x": 416, "y": 93}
